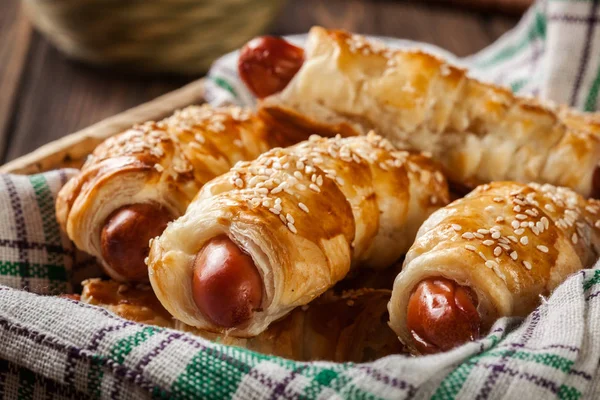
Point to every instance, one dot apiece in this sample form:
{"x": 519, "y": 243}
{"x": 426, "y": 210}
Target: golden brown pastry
{"x": 479, "y": 132}
{"x": 491, "y": 254}
{"x": 275, "y": 233}
{"x": 136, "y": 182}
{"x": 347, "y": 327}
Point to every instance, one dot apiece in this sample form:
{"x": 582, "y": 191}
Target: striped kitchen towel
{"x": 34, "y": 254}
{"x": 554, "y": 53}
{"x": 53, "y": 347}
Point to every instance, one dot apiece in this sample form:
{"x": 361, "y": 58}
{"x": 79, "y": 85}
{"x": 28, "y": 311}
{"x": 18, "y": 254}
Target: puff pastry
{"x": 302, "y": 215}
{"x": 147, "y": 176}
{"x": 506, "y": 243}
{"x": 478, "y": 131}
{"x": 346, "y": 327}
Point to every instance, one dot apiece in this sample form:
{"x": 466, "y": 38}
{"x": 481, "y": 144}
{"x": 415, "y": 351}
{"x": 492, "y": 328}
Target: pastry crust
{"x": 511, "y": 243}
{"x": 478, "y": 131}
{"x": 346, "y": 327}
{"x": 304, "y": 214}
{"x": 164, "y": 163}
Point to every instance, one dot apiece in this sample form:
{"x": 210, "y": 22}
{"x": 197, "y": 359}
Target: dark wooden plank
{"x": 15, "y": 36}
{"x": 460, "y": 31}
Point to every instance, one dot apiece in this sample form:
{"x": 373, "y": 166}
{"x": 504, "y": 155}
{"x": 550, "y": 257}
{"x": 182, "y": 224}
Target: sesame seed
{"x": 498, "y": 199}
{"x": 499, "y": 273}
{"x": 519, "y": 231}
{"x": 478, "y": 235}
{"x": 524, "y": 224}
{"x": 542, "y": 248}
{"x": 489, "y": 208}
{"x": 527, "y": 264}
{"x": 278, "y": 189}
{"x": 314, "y": 188}
{"x": 500, "y": 219}
{"x": 300, "y": 186}
{"x": 488, "y": 242}
{"x": 298, "y": 174}
{"x": 597, "y": 224}
{"x": 274, "y": 211}
{"x": 339, "y": 180}
{"x": 546, "y": 222}
{"x": 289, "y": 218}
{"x": 514, "y": 255}
{"x": 535, "y": 231}
{"x": 282, "y": 218}
{"x": 483, "y": 231}
{"x": 470, "y": 247}
{"x": 591, "y": 210}
{"x": 467, "y": 235}
{"x": 439, "y": 177}
{"x": 496, "y": 235}
{"x": 515, "y": 224}
{"x": 498, "y": 251}
{"x": 303, "y": 207}
{"x": 299, "y": 165}
{"x": 239, "y": 183}
{"x": 517, "y": 208}
{"x": 292, "y": 228}
{"x": 456, "y": 227}
{"x": 512, "y": 238}
{"x": 521, "y": 216}
{"x": 524, "y": 240}
{"x": 549, "y": 207}
{"x": 540, "y": 226}
{"x": 482, "y": 256}
{"x": 504, "y": 246}
{"x": 491, "y": 264}
{"x": 574, "y": 238}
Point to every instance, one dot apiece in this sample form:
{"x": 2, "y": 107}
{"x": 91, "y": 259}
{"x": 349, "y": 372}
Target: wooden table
{"x": 44, "y": 96}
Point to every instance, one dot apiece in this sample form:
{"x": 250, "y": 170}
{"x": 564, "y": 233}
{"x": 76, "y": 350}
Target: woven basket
{"x": 182, "y": 36}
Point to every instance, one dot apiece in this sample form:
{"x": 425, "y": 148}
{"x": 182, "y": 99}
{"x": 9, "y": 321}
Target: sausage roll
{"x": 479, "y": 132}
{"x": 277, "y": 232}
{"x": 347, "y": 327}
{"x": 136, "y": 182}
{"x": 491, "y": 254}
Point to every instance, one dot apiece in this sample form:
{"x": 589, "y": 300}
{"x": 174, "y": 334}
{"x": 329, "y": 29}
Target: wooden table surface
{"x": 44, "y": 96}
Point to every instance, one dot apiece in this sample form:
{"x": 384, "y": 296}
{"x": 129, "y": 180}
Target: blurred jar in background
{"x": 176, "y": 36}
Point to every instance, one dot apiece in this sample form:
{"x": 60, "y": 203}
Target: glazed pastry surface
{"x": 510, "y": 243}
{"x": 305, "y": 215}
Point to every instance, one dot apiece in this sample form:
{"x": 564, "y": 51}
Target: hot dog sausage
{"x": 226, "y": 285}
{"x": 125, "y": 236}
{"x": 442, "y": 315}
{"x": 267, "y": 64}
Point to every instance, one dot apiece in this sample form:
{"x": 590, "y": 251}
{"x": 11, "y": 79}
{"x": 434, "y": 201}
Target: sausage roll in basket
{"x": 491, "y": 254}
{"x": 347, "y": 327}
{"x": 136, "y": 182}
{"x": 275, "y": 233}
{"x": 479, "y": 132}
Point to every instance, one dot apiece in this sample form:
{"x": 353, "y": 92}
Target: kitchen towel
{"x": 54, "y": 347}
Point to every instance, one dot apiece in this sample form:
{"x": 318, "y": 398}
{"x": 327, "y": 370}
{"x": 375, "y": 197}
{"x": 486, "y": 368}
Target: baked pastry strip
{"x": 275, "y": 233}
{"x": 479, "y": 132}
{"x": 492, "y": 254}
{"x": 136, "y": 182}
